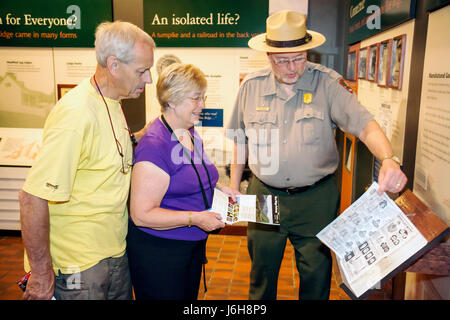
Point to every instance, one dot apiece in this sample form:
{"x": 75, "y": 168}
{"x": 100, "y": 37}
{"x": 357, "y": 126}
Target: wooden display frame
{"x": 397, "y": 61}
{"x": 363, "y": 63}
{"x": 384, "y": 55}
{"x": 372, "y": 66}
{"x": 63, "y": 89}
{"x": 352, "y": 65}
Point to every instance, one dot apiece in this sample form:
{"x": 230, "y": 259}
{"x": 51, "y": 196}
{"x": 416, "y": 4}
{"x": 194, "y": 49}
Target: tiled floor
{"x": 227, "y": 271}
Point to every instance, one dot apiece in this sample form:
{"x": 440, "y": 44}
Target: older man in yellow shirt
{"x": 73, "y": 203}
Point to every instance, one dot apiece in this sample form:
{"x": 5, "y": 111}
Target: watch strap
{"x": 392, "y": 157}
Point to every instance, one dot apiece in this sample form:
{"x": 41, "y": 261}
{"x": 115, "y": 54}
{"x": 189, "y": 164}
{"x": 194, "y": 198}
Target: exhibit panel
{"x": 71, "y": 66}
{"x": 432, "y": 171}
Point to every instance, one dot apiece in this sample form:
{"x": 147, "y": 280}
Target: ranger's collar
{"x": 307, "y": 82}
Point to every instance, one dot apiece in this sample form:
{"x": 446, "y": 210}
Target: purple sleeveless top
{"x": 158, "y": 147}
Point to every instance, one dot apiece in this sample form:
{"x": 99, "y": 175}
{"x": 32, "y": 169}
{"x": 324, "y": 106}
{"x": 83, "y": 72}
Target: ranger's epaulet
{"x": 346, "y": 86}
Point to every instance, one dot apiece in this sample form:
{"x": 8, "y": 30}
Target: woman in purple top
{"x": 172, "y": 185}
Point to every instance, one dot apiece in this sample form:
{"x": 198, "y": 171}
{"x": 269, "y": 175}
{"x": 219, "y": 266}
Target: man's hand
{"x": 40, "y": 286}
{"x": 391, "y": 177}
{"x": 35, "y": 222}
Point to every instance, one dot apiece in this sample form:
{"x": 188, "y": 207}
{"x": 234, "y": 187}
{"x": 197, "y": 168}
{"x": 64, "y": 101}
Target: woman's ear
{"x": 170, "y": 105}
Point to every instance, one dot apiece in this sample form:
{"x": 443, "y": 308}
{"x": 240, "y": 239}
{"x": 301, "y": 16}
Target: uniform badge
{"x": 345, "y": 85}
{"x": 307, "y": 97}
{"x": 262, "y": 108}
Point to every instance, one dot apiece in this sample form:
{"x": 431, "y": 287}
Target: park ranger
{"x": 288, "y": 114}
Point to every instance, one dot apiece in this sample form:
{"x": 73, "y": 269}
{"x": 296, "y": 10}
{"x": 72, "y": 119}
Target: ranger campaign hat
{"x": 286, "y": 32}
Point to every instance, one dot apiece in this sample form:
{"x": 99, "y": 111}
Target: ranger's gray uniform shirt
{"x": 291, "y": 140}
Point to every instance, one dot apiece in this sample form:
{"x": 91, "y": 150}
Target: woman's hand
{"x": 207, "y": 220}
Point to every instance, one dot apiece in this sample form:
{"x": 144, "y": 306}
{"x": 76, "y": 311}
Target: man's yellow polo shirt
{"x": 78, "y": 170}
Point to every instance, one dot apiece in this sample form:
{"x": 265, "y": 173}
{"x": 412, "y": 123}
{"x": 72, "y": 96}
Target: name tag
{"x": 262, "y": 108}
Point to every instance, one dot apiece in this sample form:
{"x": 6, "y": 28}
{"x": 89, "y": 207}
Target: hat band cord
{"x": 290, "y": 43}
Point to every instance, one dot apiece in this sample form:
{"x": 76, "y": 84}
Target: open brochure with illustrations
{"x": 253, "y": 208}
{"x": 371, "y": 238}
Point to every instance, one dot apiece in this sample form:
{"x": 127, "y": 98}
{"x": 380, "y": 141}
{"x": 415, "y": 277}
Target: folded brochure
{"x": 253, "y": 208}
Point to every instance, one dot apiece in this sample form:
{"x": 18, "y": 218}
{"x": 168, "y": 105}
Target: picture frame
{"x": 63, "y": 89}
{"x": 383, "y": 63}
{"x": 397, "y": 62}
{"x": 372, "y": 62}
{"x": 362, "y": 63}
{"x": 351, "y": 66}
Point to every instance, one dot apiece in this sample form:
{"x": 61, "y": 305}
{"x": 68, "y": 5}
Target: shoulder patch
{"x": 345, "y": 85}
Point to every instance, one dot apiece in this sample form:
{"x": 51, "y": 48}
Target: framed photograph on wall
{"x": 63, "y": 89}
{"x": 396, "y": 65}
{"x": 362, "y": 63}
{"x": 351, "y": 66}
{"x": 373, "y": 62}
{"x": 383, "y": 63}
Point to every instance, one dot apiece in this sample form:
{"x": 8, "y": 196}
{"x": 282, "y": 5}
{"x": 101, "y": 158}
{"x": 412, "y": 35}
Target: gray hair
{"x": 118, "y": 39}
{"x": 176, "y": 81}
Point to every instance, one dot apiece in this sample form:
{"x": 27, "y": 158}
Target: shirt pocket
{"x": 309, "y": 122}
{"x": 260, "y": 126}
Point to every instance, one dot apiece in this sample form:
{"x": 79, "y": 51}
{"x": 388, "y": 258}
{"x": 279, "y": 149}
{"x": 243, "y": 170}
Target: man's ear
{"x": 112, "y": 63}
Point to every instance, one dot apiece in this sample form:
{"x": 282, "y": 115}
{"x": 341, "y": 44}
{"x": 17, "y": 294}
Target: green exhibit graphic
{"x": 53, "y": 23}
{"x": 204, "y": 23}
{"x": 34, "y": 104}
{"x": 26, "y": 86}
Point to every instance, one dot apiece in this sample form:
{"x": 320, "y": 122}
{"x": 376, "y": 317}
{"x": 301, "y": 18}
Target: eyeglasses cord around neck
{"x": 118, "y": 145}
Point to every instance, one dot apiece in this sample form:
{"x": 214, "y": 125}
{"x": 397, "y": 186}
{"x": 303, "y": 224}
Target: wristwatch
{"x": 392, "y": 157}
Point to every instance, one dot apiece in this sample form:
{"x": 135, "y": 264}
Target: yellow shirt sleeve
{"x": 53, "y": 172}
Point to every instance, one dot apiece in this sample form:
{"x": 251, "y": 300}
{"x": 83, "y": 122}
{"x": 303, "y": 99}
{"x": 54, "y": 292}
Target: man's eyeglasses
{"x": 125, "y": 166}
{"x": 284, "y": 61}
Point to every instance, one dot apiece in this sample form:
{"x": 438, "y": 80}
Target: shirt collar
{"x": 270, "y": 84}
{"x": 307, "y": 82}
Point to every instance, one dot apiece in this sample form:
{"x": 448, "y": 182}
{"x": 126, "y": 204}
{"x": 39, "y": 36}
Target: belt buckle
{"x": 289, "y": 190}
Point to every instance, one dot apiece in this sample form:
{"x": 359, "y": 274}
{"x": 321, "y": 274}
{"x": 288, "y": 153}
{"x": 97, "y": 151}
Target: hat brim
{"x": 259, "y": 43}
